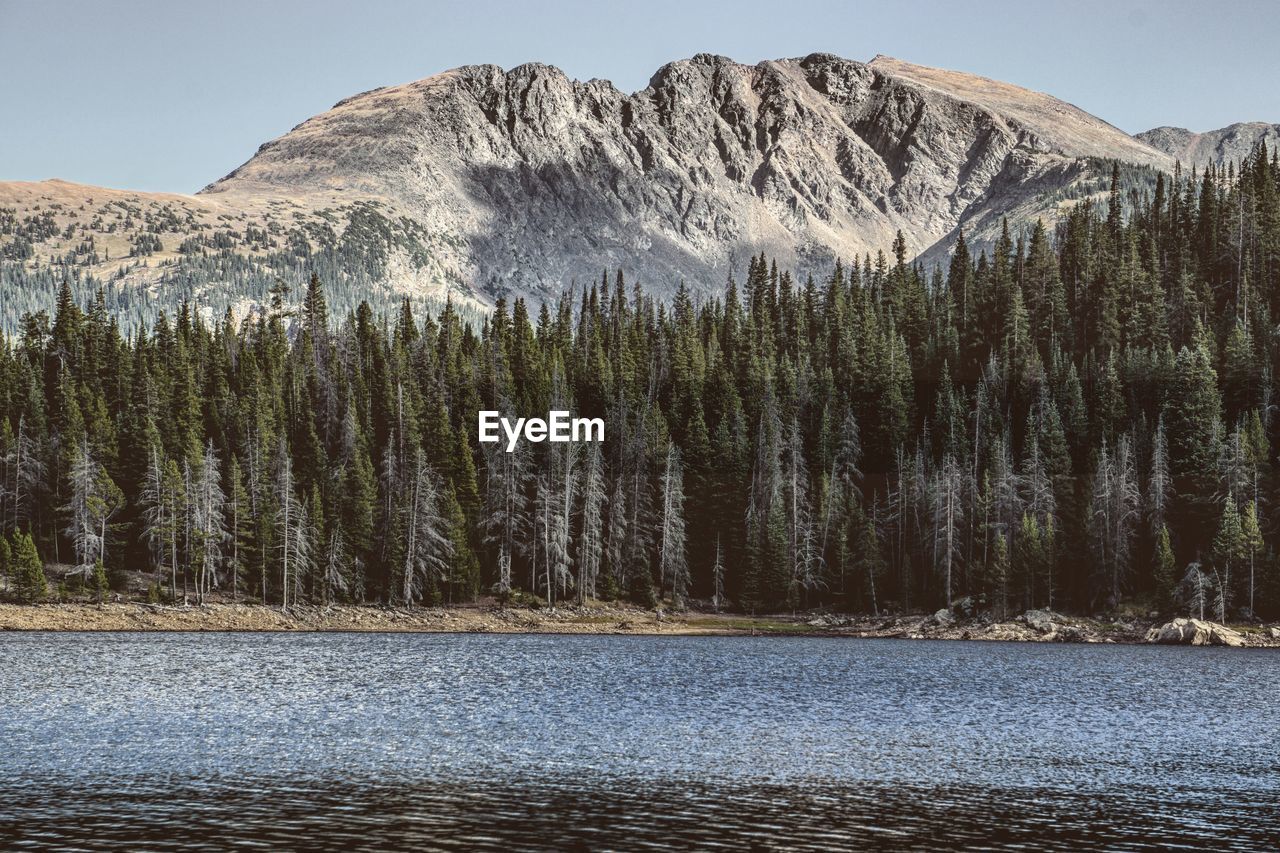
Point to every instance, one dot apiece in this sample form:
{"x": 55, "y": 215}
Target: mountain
{"x": 479, "y": 182}
{"x": 1227, "y": 145}
{"x": 546, "y": 179}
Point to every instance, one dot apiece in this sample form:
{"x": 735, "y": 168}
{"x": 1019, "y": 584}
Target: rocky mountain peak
{"x": 526, "y": 181}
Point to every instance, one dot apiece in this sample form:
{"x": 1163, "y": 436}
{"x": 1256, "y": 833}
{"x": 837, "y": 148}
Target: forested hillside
{"x": 1081, "y": 418}
{"x": 147, "y": 253}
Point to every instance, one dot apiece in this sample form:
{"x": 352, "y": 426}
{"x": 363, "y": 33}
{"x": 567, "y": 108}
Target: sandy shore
{"x": 1044, "y": 627}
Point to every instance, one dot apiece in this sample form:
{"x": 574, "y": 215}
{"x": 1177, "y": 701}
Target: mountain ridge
{"x": 479, "y": 182}
{"x": 1213, "y": 147}
{"x": 812, "y": 156}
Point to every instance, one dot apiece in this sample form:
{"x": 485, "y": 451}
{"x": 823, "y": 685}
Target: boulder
{"x": 943, "y": 618}
{"x": 1012, "y": 631}
{"x": 1194, "y": 632}
{"x": 1040, "y": 620}
{"x": 1071, "y": 634}
{"x": 1224, "y": 636}
{"x": 1274, "y": 632}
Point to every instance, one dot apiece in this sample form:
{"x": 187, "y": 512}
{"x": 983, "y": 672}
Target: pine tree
{"x": 29, "y": 584}
{"x": 164, "y": 505}
{"x": 948, "y": 514}
{"x": 507, "y": 521}
{"x": 6, "y": 563}
{"x": 292, "y": 533}
{"x": 239, "y": 530}
{"x": 334, "y": 581}
{"x": 1252, "y": 544}
{"x": 717, "y": 579}
{"x": 871, "y": 558}
{"x": 1113, "y": 515}
{"x": 998, "y": 575}
{"x": 1030, "y": 566}
{"x": 463, "y": 575}
{"x": 208, "y": 522}
{"x": 1164, "y": 569}
{"x": 1192, "y": 418}
{"x": 27, "y": 469}
{"x": 1228, "y": 548}
{"x": 1159, "y": 484}
{"x": 428, "y": 547}
{"x": 1196, "y": 591}
{"x": 803, "y": 558}
{"x": 673, "y": 564}
{"x": 100, "y": 584}
{"x": 591, "y": 539}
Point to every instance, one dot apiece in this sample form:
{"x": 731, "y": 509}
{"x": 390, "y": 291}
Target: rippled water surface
{"x": 611, "y": 742}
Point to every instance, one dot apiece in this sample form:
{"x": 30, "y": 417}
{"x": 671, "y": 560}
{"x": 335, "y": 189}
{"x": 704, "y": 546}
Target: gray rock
{"x": 1008, "y": 631}
{"x": 1071, "y": 634}
{"x": 1194, "y": 632}
{"x": 1041, "y": 620}
{"x": 944, "y": 619}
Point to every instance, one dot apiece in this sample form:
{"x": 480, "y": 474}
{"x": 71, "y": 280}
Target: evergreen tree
{"x": 6, "y": 563}
{"x": 1164, "y": 569}
{"x": 1228, "y": 550}
{"x": 1251, "y": 544}
{"x": 1196, "y": 591}
{"x": 673, "y": 563}
{"x": 29, "y": 584}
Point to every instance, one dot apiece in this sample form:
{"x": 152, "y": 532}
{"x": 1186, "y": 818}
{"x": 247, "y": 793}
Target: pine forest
{"x": 1081, "y": 417}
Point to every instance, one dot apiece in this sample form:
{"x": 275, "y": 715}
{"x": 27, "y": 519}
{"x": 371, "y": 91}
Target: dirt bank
{"x": 1034, "y": 626}
{"x": 254, "y": 617}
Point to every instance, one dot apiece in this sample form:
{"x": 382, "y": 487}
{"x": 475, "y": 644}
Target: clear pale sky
{"x": 170, "y": 96}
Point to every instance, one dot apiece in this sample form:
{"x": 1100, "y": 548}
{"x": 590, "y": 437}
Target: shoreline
{"x": 1033, "y": 626}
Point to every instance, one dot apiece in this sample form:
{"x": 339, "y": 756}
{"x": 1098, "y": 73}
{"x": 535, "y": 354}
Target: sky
{"x": 169, "y": 96}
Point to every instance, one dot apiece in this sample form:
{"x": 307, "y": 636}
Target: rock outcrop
{"x": 1194, "y": 632}
{"x": 1044, "y": 621}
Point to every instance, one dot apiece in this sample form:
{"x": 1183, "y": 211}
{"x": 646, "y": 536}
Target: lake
{"x": 522, "y": 742}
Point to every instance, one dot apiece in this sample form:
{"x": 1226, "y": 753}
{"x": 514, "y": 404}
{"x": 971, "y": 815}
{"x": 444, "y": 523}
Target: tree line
{"x": 1081, "y": 417}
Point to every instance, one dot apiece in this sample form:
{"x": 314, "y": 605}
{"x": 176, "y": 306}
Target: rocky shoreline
{"x": 1033, "y": 626}
{"x": 1044, "y": 626}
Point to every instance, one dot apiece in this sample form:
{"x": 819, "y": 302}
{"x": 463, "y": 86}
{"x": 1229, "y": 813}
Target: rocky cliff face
{"x": 539, "y": 180}
{"x": 483, "y": 182}
{"x": 1227, "y": 145}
